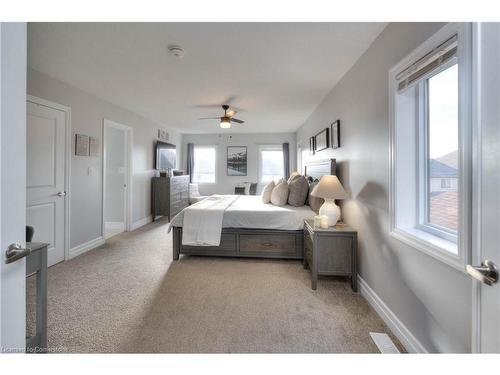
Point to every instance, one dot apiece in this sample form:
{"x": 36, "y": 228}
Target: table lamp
{"x": 329, "y": 188}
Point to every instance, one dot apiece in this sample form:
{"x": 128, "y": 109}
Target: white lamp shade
{"x": 329, "y": 187}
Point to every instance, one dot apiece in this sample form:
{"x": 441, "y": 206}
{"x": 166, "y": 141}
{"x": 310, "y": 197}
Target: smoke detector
{"x": 176, "y": 51}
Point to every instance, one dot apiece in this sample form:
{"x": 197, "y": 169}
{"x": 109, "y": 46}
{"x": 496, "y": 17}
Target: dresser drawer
{"x": 267, "y": 244}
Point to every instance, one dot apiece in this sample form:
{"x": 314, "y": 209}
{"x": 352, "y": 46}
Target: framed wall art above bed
{"x": 335, "y": 134}
{"x": 322, "y": 140}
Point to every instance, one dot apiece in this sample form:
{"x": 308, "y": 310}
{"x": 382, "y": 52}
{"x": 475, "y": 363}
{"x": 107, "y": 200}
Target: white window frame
{"x": 272, "y": 147}
{"x": 215, "y": 147}
{"x": 436, "y": 244}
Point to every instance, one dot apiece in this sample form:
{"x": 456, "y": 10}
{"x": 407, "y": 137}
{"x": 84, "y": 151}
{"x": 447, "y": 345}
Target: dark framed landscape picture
{"x": 335, "y": 132}
{"x": 322, "y": 140}
{"x": 237, "y": 160}
{"x": 311, "y": 146}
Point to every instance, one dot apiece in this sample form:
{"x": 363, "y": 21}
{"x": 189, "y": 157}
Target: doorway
{"x": 47, "y": 175}
{"x": 116, "y": 178}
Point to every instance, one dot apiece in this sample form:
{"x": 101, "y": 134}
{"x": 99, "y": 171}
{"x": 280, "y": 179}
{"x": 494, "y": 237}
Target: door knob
{"x": 15, "y": 252}
{"x": 61, "y": 194}
{"x": 486, "y": 273}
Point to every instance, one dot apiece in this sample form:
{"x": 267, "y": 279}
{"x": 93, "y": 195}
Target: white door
{"x": 45, "y": 177}
{"x": 12, "y": 184}
{"x": 486, "y": 315}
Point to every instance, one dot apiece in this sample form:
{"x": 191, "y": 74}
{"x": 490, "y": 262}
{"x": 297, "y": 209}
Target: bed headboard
{"x": 316, "y": 169}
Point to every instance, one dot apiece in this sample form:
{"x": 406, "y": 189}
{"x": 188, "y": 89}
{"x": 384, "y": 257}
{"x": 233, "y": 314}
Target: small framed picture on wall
{"x": 311, "y": 146}
{"x": 322, "y": 140}
{"x": 335, "y": 132}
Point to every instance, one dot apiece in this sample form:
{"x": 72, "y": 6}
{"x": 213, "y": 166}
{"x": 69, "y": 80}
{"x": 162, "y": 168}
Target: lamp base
{"x": 331, "y": 210}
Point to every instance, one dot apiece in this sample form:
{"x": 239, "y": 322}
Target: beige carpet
{"x": 128, "y": 296}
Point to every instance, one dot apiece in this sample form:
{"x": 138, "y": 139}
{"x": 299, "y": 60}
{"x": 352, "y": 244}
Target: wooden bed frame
{"x": 257, "y": 243}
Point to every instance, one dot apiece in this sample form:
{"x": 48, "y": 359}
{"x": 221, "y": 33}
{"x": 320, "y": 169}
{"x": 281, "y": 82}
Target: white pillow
{"x": 266, "y": 193}
{"x": 279, "y": 196}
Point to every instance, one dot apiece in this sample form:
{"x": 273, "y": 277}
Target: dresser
{"x": 169, "y": 195}
{"x": 330, "y": 251}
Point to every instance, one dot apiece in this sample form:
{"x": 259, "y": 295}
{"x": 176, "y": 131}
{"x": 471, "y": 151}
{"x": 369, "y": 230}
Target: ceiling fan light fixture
{"x": 225, "y": 122}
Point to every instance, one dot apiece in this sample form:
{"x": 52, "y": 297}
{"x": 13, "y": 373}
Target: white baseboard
{"x": 142, "y": 222}
{"x": 84, "y": 247}
{"x": 115, "y": 225}
{"x": 410, "y": 342}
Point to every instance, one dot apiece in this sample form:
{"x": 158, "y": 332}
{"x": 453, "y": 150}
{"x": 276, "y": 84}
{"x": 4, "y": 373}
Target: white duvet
{"x": 202, "y": 221}
{"x": 248, "y": 211}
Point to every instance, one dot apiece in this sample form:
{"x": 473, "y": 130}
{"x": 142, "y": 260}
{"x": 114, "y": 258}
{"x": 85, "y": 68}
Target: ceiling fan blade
{"x": 237, "y": 121}
{"x": 209, "y": 118}
{"x": 231, "y": 113}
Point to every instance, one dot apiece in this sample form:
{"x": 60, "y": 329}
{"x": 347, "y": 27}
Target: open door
{"x": 12, "y": 186}
{"x": 486, "y": 245}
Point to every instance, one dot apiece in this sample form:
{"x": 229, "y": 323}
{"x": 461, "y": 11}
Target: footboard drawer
{"x": 227, "y": 244}
{"x": 269, "y": 244}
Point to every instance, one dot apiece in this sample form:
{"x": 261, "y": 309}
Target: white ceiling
{"x": 277, "y": 73}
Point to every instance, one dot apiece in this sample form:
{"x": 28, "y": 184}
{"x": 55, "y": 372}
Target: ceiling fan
{"x": 227, "y": 119}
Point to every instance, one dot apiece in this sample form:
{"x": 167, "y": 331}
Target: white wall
{"x": 431, "y": 299}
{"x": 87, "y": 114}
{"x": 225, "y": 184}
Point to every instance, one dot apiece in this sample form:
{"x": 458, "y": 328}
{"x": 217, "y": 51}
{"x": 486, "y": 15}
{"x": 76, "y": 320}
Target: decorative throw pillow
{"x": 266, "y": 193}
{"x": 314, "y": 202}
{"x": 279, "y": 196}
{"x": 299, "y": 188}
{"x": 292, "y": 176}
{"x": 280, "y": 181}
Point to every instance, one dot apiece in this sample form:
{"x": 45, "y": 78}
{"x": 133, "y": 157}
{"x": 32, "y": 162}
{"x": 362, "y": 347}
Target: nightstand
{"x": 330, "y": 251}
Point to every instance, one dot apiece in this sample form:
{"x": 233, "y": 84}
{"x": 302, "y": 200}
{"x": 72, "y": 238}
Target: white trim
{"x": 129, "y": 139}
{"x": 84, "y": 247}
{"x": 434, "y": 249}
{"x": 117, "y": 225}
{"x": 477, "y": 171}
{"x": 407, "y": 339}
{"x": 67, "y": 165}
{"x": 139, "y": 223}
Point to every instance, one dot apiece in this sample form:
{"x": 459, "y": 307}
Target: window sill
{"x": 437, "y": 247}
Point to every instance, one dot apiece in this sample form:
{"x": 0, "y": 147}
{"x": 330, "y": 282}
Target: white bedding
{"x": 203, "y": 220}
{"x": 248, "y": 211}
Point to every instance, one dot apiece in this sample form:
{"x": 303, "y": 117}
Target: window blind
{"x": 425, "y": 66}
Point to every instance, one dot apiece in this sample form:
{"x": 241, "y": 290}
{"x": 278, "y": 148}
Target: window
{"x": 431, "y": 146}
{"x": 204, "y": 164}
{"x": 271, "y": 163}
{"x": 439, "y": 127}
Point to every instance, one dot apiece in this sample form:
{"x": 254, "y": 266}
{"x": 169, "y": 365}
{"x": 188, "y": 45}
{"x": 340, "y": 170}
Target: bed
{"x": 251, "y": 228}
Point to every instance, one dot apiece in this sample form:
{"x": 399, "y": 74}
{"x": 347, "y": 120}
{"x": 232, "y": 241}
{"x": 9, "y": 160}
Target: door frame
{"x": 476, "y": 187}
{"x": 67, "y": 163}
{"x": 129, "y": 141}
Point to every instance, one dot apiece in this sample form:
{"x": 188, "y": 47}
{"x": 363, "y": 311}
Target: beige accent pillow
{"x": 266, "y": 193}
{"x": 279, "y": 196}
{"x": 298, "y": 187}
{"x": 314, "y": 202}
{"x": 292, "y": 176}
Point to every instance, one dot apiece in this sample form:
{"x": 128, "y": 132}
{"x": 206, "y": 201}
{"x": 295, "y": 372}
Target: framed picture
{"x": 322, "y": 140}
{"x": 81, "y": 145}
{"x": 236, "y": 160}
{"x": 162, "y": 135}
{"x": 335, "y": 132}
{"x": 311, "y": 146}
